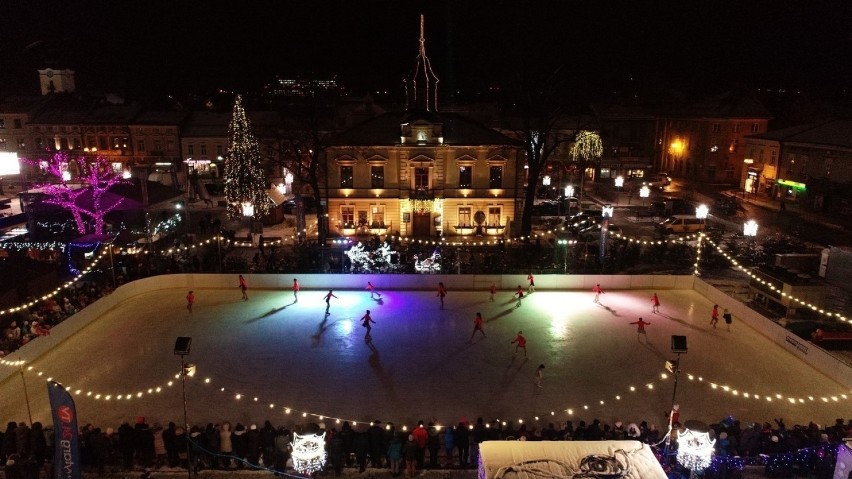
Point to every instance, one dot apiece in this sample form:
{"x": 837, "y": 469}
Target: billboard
{"x": 9, "y": 163}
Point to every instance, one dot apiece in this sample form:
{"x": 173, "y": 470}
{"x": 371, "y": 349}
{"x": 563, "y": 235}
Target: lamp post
{"x": 606, "y": 214}
{"x": 701, "y": 212}
{"x": 644, "y": 193}
{"x": 182, "y": 346}
{"x": 619, "y": 183}
{"x": 564, "y": 243}
{"x": 678, "y": 347}
{"x": 750, "y": 229}
{"x": 569, "y": 193}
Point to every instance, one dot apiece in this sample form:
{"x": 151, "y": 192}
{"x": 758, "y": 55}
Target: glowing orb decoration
{"x": 308, "y": 453}
{"x": 694, "y": 449}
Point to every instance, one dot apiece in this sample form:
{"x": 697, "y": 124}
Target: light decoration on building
{"x": 694, "y": 449}
{"x": 245, "y": 180}
{"x": 308, "y": 452}
{"x": 168, "y": 225}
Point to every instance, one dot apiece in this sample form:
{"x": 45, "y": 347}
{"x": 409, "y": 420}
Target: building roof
{"x": 215, "y": 124}
{"x": 113, "y": 114}
{"x": 835, "y": 133}
{"x": 62, "y": 109}
{"x": 28, "y": 105}
{"x": 728, "y": 105}
{"x": 384, "y": 130}
{"x": 160, "y": 118}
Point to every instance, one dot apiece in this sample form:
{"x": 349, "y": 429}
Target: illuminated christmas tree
{"x": 245, "y": 180}
{"x": 88, "y": 195}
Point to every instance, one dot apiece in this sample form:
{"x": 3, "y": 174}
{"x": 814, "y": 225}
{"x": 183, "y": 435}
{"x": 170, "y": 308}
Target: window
{"x": 717, "y": 128}
{"x": 190, "y": 149}
{"x": 140, "y": 145}
{"x": 377, "y": 176}
{"x": 347, "y": 215}
{"x": 754, "y": 128}
{"x": 77, "y": 144}
{"x": 219, "y": 150}
{"x": 91, "y": 142}
{"x": 102, "y": 143}
{"x": 464, "y": 216}
{"x": 362, "y": 218}
{"x": 17, "y": 122}
{"x": 465, "y": 176}
{"x": 494, "y": 214}
{"x": 421, "y": 178}
{"x": 772, "y": 157}
{"x": 377, "y": 219}
{"x": 203, "y": 149}
{"x": 2, "y": 123}
{"x": 495, "y": 177}
{"x": 346, "y": 178}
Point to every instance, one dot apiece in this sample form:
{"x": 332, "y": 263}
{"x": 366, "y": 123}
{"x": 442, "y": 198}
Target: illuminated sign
{"x": 794, "y": 184}
{"x": 9, "y": 164}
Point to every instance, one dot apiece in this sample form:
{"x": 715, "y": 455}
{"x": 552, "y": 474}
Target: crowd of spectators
{"x": 38, "y": 319}
{"x": 141, "y": 446}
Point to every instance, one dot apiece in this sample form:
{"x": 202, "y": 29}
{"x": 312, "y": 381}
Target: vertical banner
{"x": 66, "y": 458}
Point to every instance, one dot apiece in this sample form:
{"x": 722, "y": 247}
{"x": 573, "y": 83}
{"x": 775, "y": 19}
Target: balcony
{"x": 421, "y": 194}
{"x": 465, "y": 230}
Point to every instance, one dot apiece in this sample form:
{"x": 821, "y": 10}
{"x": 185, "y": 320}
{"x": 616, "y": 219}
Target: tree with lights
{"x": 245, "y": 179}
{"x": 587, "y": 147}
{"x": 87, "y": 198}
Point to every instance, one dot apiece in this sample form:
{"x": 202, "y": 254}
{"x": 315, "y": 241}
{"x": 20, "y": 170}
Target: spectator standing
{"x": 449, "y": 446}
{"x": 462, "y": 436}
{"x": 410, "y": 453}
{"x": 421, "y": 439}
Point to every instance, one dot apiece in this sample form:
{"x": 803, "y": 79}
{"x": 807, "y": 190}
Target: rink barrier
{"x": 805, "y": 350}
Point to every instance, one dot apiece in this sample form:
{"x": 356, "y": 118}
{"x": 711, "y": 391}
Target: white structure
{"x": 56, "y": 81}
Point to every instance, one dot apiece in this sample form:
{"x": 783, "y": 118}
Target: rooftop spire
{"x": 421, "y": 86}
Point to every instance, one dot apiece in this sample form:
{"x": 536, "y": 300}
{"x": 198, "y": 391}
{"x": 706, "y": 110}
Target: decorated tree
{"x": 88, "y": 197}
{"x": 245, "y": 180}
{"x": 587, "y": 147}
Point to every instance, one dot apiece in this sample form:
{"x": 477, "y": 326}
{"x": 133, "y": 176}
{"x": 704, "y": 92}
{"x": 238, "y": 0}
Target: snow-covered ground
{"x": 420, "y": 364}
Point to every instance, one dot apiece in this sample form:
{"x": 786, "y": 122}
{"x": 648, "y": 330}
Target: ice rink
{"x": 255, "y": 359}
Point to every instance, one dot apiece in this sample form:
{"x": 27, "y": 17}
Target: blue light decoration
{"x": 86, "y": 244}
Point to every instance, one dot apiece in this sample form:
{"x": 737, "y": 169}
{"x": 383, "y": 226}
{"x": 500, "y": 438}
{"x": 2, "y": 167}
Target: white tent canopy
{"x": 568, "y": 459}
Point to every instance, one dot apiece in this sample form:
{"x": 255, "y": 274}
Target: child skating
{"x": 372, "y": 290}
{"x": 520, "y": 294}
{"x": 365, "y": 321}
{"x": 531, "y": 279}
{"x": 714, "y": 316}
{"x": 655, "y": 304}
{"x": 521, "y": 343}
{"x": 640, "y": 328}
{"x": 493, "y": 291}
{"x": 295, "y": 290}
{"x": 728, "y": 319}
{"x": 442, "y": 292}
{"x": 190, "y": 300}
{"x": 477, "y": 326}
{"x": 327, "y": 299}
{"x": 539, "y": 374}
{"x": 598, "y": 292}
{"x": 243, "y": 287}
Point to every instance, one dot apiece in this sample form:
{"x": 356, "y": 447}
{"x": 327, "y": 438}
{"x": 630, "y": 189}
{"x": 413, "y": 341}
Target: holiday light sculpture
{"x": 90, "y": 198}
{"x": 308, "y": 452}
{"x": 245, "y": 180}
{"x": 695, "y": 449}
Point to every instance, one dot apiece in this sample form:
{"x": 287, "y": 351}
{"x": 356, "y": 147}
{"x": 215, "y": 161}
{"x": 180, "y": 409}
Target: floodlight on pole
{"x": 619, "y": 181}
{"x": 701, "y": 212}
{"x": 750, "y": 228}
{"x": 546, "y": 180}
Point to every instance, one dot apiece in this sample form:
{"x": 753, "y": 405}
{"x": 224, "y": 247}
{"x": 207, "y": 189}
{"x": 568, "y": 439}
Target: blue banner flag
{"x": 66, "y": 458}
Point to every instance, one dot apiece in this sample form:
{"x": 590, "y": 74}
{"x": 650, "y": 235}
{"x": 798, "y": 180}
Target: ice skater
{"x": 640, "y": 328}
{"x": 655, "y": 304}
{"x": 477, "y": 326}
{"x": 243, "y": 287}
{"x": 327, "y": 299}
{"x": 295, "y": 290}
{"x": 190, "y": 300}
{"x": 442, "y": 292}
{"x": 714, "y": 316}
{"x": 598, "y": 292}
{"x": 365, "y": 321}
{"x": 531, "y": 279}
{"x": 493, "y": 291}
{"x": 728, "y": 319}
{"x": 520, "y": 294}
{"x": 372, "y": 290}
{"x": 521, "y": 343}
{"x": 539, "y": 374}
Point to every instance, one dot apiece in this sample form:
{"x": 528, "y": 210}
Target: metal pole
{"x": 671, "y": 410}
{"x": 185, "y": 419}
{"x": 219, "y": 249}
{"x": 26, "y": 395}
{"x": 604, "y": 229}
{"x": 111, "y": 265}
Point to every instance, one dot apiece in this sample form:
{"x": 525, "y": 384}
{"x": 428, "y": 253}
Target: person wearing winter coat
{"x": 376, "y": 438}
{"x": 462, "y": 434}
{"x": 125, "y": 445}
{"x": 267, "y": 443}
{"x": 99, "y": 447}
{"x": 160, "y": 457}
{"x": 238, "y": 440}
{"x": 449, "y": 446}
{"x": 226, "y": 447}
{"x": 361, "y": 444}
{"x": 38, "y": 447}
{"x": 169, "y": 445}
{"x": 335, "y": 453}
{"x": 434, "y": 445}
{"x": 282, "y": 449}
{"x": 253, "y": 444}
{"x": 395, "y": 455}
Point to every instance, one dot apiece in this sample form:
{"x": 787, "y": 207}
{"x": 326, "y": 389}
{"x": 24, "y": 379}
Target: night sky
{"x": 152, "y": 47}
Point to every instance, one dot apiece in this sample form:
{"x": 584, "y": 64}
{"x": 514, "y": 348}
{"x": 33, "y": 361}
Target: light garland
{"x": 39, "y": 245}
{"x": 308, "y": 452}
{"x": 694, "y": 449}
{"x": 777, "y": 289}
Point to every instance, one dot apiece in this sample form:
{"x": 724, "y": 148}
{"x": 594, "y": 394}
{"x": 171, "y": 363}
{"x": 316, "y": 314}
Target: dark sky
{"x": 135, "y": 47}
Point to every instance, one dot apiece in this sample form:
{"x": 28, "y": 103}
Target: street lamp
{"x": 750, "y": 228}
{"x": 182, "y": 346}
{"x": 569, "y": 193}
{"x": 606, "y": 214}
{"x": 564, "y": 243}
{"x": 701, "y": 212}
{"x": 644, "y": 193}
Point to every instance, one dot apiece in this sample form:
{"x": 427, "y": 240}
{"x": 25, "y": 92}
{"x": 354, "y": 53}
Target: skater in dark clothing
{"x": 327, "y": 299}
{"x": 190, "y": 300}
{"x": 477, "y": 326}
{"x": 520, "y": 294}
{"x": 442, "y": 292}
{"x": 728, "y": 318}
{"x": 372, "y": 290}
{"x": 365, "y": 321}
{"x": 493, "y": 291}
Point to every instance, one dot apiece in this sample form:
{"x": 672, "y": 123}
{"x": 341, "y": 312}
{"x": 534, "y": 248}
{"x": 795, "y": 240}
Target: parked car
{"x": 658, "y": 181}
{"x": 593, "y": 232}
{"x": 682, "y": 224}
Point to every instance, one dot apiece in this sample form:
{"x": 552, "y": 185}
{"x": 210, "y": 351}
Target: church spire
{"x": 421, "y": 86}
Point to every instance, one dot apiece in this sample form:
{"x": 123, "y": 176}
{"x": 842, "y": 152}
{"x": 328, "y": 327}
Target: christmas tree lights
{"x": 694, "y": 449}
{"x": 245, "y": 180}
{"x": 308, "y": 452}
